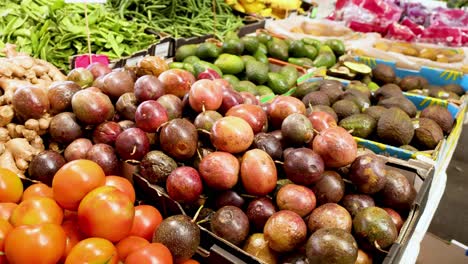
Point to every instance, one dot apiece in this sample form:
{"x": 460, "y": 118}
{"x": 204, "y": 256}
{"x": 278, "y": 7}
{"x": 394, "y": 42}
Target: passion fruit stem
{"x": 377, "y": 246}
{"x": 249, "y": 196}
{"x": 204, "y": 131}
{"x": 347, "y": 181}
{"x": 199, "y": 154}
{"x": 133, "y": 150}
{"x": 203, "y": 221}
{"x": 197, "y": 213}
{"x": 279, "y": 162}
{"x": 132, "y": 161}
{"x": 203, "y": 108}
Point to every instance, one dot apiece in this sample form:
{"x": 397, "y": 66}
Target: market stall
{"x": 225, "y": 131}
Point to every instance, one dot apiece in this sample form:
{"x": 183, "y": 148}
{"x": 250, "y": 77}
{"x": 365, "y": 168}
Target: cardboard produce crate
{"x": 214, "y": 249}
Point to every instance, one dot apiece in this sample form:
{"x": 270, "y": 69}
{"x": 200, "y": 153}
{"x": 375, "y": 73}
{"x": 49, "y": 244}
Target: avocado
{"x": 358, "y": 97}
{"x": 316, "y": 98}
{"x": 256, "y": 72}
{"x": 277, "y": 83}
{"x": 361, "y": 87}
{"x": 230, "y": 64}
{"x": 388, "y": 91}
{"x": 310, "y": 52}
{"x": 246, "y": 86}
{"x": 440, "y": 115}
{"x": 305, "y": 88}
{"x": 454, "y": 88}
{"x": 395, "y": 127}
{"x": 201, "y": 66}
{"x": 409, "y": 148}
{"x": 262, "y": 48}
{"x": 337, "y": 46}
{"x": 191, "y": 59}
{"x": 325, "y": 58}
{"x": 375, "y": 111}
{"x": 412, "y": 82}
{"x": 264, "y": 37}
{"x": 323, "y": 108}
{"x": 333, "y": 88}
{"x": 190, "y": 68}
{"x": 345, "y": 108}
{"x": 250, "y": 44}
{"x": 313, "y": 42}
{"x": 290, "y": 73}
{"x": 401, "y": 102}
{"x": 261, "y": 57}
{"x": 362, "y": 125}
{"x": 176, "y": 65}
{"x": 442, "y": 94}
{"x": 246, "y": 58}
{"x": 383, "y": 74}
{"x": 233, "y": 46}
{"x": 427, "y": 133}
{"x": 303, "y": 62}
{"x": 264, "y": 90}
{"x": 297, "y": 49}
{"x": 232, "y": 79}
{"x": 278, "y": 49}
{"x": 207, "y": 51}
{"x": 185, "y": 51}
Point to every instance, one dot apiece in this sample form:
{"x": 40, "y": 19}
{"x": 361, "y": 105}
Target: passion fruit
{"x": 332, "y": 245}
{"x": 293, "y": 231}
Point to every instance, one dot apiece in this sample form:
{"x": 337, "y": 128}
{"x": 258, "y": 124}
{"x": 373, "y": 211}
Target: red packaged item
{"x": 415, "y": 28}
{"x": 367, "y": 15}
{"x": 400, "y": 32}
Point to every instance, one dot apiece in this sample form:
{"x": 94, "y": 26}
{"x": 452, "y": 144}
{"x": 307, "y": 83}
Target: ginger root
{"x": 18, "y": 153}
{"x": 6, "y": 115}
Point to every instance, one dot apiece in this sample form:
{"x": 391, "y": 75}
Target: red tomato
{"x": 74, "y": 180}
{"x": 122, "y": 185}
{"x": 39, "y": 244}
{"x": 154, "y": 253}
{"x": 146, "y": 221}
{"x": 11, "y": 187}
{"x": 130, "y": 244}
{"x": 38, "y": 190}
{"x": 38, "y": 210}
{"x": 6, "y": 209}
{"x": 5, "y": 228}
{"x": 93, "y": 250}
{"x": 106, "y": 212}
{"x": 74, "y": 235}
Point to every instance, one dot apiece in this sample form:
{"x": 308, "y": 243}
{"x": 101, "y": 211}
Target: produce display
{"x": 55, "y": 31}
{"x": 445, "y": 55}
{"x": 248, "y": 142}
{"x": 265, "y": 8}
{"x": 245, "y": 62}
{"x": 64, "y": 223}
{"x": 192, "y": 18}
{"x": 383, "y": 113}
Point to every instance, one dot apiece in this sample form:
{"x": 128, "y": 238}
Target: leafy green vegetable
{"x": 54, "y": 31}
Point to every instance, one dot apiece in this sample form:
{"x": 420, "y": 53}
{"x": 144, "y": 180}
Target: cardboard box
{"x": 435, "y": 250}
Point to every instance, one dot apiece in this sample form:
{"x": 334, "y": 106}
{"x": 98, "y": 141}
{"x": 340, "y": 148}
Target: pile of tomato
{"x": 85, "y": 217}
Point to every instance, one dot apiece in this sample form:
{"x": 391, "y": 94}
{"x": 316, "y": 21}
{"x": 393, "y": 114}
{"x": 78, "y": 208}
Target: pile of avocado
{"x": 384, "y": 115}
{"x": 244, "y": 61}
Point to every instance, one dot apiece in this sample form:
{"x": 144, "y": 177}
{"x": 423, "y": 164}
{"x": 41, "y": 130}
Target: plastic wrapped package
{"x": 367, "y": 15}
{"x": 412, "y": 55}
{"x": 299, "y": 27}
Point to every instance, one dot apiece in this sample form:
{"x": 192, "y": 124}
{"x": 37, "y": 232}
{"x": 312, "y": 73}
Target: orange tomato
{"x": 6, "y": 209}
{"x": 11, "y": 187}
{"x": 5, "y": 228}
{"x": 130, "y": 244}
{"x": 38, "y": 210}
{"x": 106, "y": 212}
{"x": 93, "y": 250}
{"x": 39, "y": 244}
{"x": 38, "y": 190}
{"x": 122, "y": 185}
{"x": 154, "y": 253}
{"x": 74, "y": 235}
{"x": 146, "y": 221}
{"x": 74, "y": 180}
